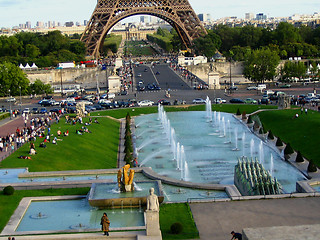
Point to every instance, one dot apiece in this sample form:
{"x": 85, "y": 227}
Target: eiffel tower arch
{"x": 178, "y": 13}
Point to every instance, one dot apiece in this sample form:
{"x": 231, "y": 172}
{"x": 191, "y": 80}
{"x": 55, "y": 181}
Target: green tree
{"x": 287, "y": 33}
{"x": 261, "y": 65}
{"x": 208, "y": 44}
{"x": 292, "y": 70}
{"x": 32, "y": 51}
{"x": 12, "y": 78}
{"x": 38, "y": 87}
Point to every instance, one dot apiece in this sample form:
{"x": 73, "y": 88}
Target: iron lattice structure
{"x": 178, "y": 13}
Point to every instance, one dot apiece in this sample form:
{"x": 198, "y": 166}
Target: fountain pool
{"x": 75, "y": 215}
{"x": 209, "y": 154}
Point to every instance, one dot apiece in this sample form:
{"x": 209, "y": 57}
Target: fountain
{"x": 123, "y": 195}
{"x": 209, "y": 109}
{"x": 125, "y": 181}
{"x": 204, "y": 148}
{"x": 236, "y": 140}
{"x": 40, "y": 215}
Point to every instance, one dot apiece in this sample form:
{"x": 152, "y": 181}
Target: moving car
{"x": 145, "y": 103}
{"x": 219, "y": 101}
{"x": 198, "y": 101}
{"x": 236, "y": 100}
{"x": 251, "y": 88}
{"x": 26, "y": 110}
{"x": 250, "y": 101}
{"x": 43, "y": 110}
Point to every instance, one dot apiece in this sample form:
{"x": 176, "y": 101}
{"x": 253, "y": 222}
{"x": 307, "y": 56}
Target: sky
{"x": 14, "y": 12}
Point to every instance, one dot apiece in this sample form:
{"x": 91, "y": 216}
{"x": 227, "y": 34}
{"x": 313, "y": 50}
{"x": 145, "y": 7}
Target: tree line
{"x": 45, "y": 50}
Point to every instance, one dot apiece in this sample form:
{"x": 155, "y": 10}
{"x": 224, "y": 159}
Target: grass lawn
{"x": 138, "y": 48}
{"x": 8, "y": 204}
{"x": 96, "y": 150}
{"x": 230, "y": 108}
{"x": 177, "y": 212}
{"x": 302, "y": 133}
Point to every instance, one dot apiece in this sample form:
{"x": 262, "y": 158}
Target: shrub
{"x": 8, "y": 190}
{"x": 270, "y": 135}
{"x": 176, "y": 228}
{"x": 288, "y": 149}
{"x": 249, "y": 119}
{"x": 238, "y": 112}
{"x": 299, "y": 157}
{"x": 279, "y": 142}
{"x": 312, "y": 167}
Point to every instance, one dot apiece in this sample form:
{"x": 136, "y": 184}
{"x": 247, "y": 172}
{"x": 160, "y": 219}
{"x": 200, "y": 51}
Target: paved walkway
{"x": 9, "y": 126}
{"x": 216, "y": 220}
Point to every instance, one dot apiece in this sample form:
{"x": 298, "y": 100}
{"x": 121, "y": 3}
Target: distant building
{"x": 69, "y": 24}
{"x": 261, "y": 16}
{"x": 85, "y": 22}
{"x": 249, "y": 16}
{"x": 202, "y": 17}
{"x": 28, "y": 24}
{"x": 39, "y": 24}
{"x": 144, "y": 19}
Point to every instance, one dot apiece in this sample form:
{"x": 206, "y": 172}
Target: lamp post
{"x": 10, "y": 104}
{"x": 20, "y": 101}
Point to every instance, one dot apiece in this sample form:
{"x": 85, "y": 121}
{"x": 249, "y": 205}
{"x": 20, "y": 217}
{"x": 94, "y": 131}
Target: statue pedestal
{"x": 214, "y": 80}
{"x": 152, "y": 223}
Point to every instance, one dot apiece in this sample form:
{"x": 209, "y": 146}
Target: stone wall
{"x": 87, "y": 77}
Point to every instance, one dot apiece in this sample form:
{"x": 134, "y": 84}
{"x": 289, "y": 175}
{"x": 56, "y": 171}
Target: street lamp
{"x": 20, "y": 101}
{"x": 10, "y": 104}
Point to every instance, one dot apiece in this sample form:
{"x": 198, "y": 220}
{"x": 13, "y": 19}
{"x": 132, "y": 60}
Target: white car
{"x": 145, "y": 103}
{"x": 54, "y": 103}
{"x": 198, "y": 101}
{"x": 219, "y": 101}
{"x": 252, "y": 88}
{"x": 11, "y": 99}
{"x": 86, "y": 102}
{"x": 26, "y": 111}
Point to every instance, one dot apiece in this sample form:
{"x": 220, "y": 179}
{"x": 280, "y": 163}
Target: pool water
{"x": 71, "y": 214}
{"x": 210, "y": 155}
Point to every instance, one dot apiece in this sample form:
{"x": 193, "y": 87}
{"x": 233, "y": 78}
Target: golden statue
{"x": 125, "y": 181}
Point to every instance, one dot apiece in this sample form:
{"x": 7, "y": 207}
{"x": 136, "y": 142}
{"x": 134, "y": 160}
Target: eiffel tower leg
{"x": 178, "y": 13}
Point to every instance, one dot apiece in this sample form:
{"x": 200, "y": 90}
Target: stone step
{"x": 131, "y": 235}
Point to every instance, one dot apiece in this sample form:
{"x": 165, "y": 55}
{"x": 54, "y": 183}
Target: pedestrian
{"x": 236, "y": 236}
{"x": 105, "y": 223}
{"x": 306, "y": 110}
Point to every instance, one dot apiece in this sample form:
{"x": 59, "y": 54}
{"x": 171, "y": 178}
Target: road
{"x": 180, "y": 90}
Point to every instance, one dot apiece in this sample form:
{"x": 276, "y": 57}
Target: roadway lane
{"x": 168, "y": 78}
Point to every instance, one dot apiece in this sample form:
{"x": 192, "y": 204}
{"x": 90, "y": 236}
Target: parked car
{"x": 164, "y": 102}
{"x": 43, "y": 110}
{"x": 71, "y": 109}
{"x": 34, "y": 110}
{"x": 285, "y": 86}
{"x": 219, "y": 101}
{"x": 145, "y": 103}
{"x": 198, "y": 101}
{"x": 250, "y": 101}
{"x": 55, "y": 110}
{"x": 236, "y": 100}
{"x": 54, "y": 102}
{"x": 98, "y": 107}
{"x": 26, "y": 111}
{"x": 233, "y": 88}
{"x": 11, "y": 99}
{"x": 150, "y": 86}
{"x": 156, "y": 86}
{"x": 45, "y": 103}
{"x": 265, "y": 101}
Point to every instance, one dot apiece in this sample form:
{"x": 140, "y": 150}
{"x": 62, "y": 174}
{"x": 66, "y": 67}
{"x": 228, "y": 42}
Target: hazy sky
{"x": 13, "y": 12}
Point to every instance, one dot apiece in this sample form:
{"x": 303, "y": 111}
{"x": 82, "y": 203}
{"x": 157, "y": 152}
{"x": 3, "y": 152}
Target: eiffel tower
{"x": 178, "y": 13}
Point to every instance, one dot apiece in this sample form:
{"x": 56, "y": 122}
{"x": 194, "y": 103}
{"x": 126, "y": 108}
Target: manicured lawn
{"x": 8, "y": 204}
{"x": 138, "y": 48}
{"x": 96, "y": 150}
{"x": 302, "y": 133}
{"x": 178, "y": 212}
{"x": 230, "y": 108}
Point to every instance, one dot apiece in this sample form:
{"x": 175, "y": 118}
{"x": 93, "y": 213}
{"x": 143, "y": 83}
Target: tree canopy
{"x": 45, "y": 50}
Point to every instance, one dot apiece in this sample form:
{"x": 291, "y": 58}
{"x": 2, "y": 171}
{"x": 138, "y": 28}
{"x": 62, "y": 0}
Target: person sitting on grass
{"x": 59, "y": 132}
{"x": 32, "y": 151}
{"x": 42, "y": 145}
{"x": 79, "y": 132}
{"x": 24, "y": 157}
{"x": 66, "y": 133}
{"x": 54, "y": 141}
{"x": 96, "y": 121}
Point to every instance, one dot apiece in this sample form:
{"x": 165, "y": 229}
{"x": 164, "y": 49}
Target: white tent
{"x": 27, "y": 66}
{"x": 34, "y": 66}
{"x": 21, "y": 66}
